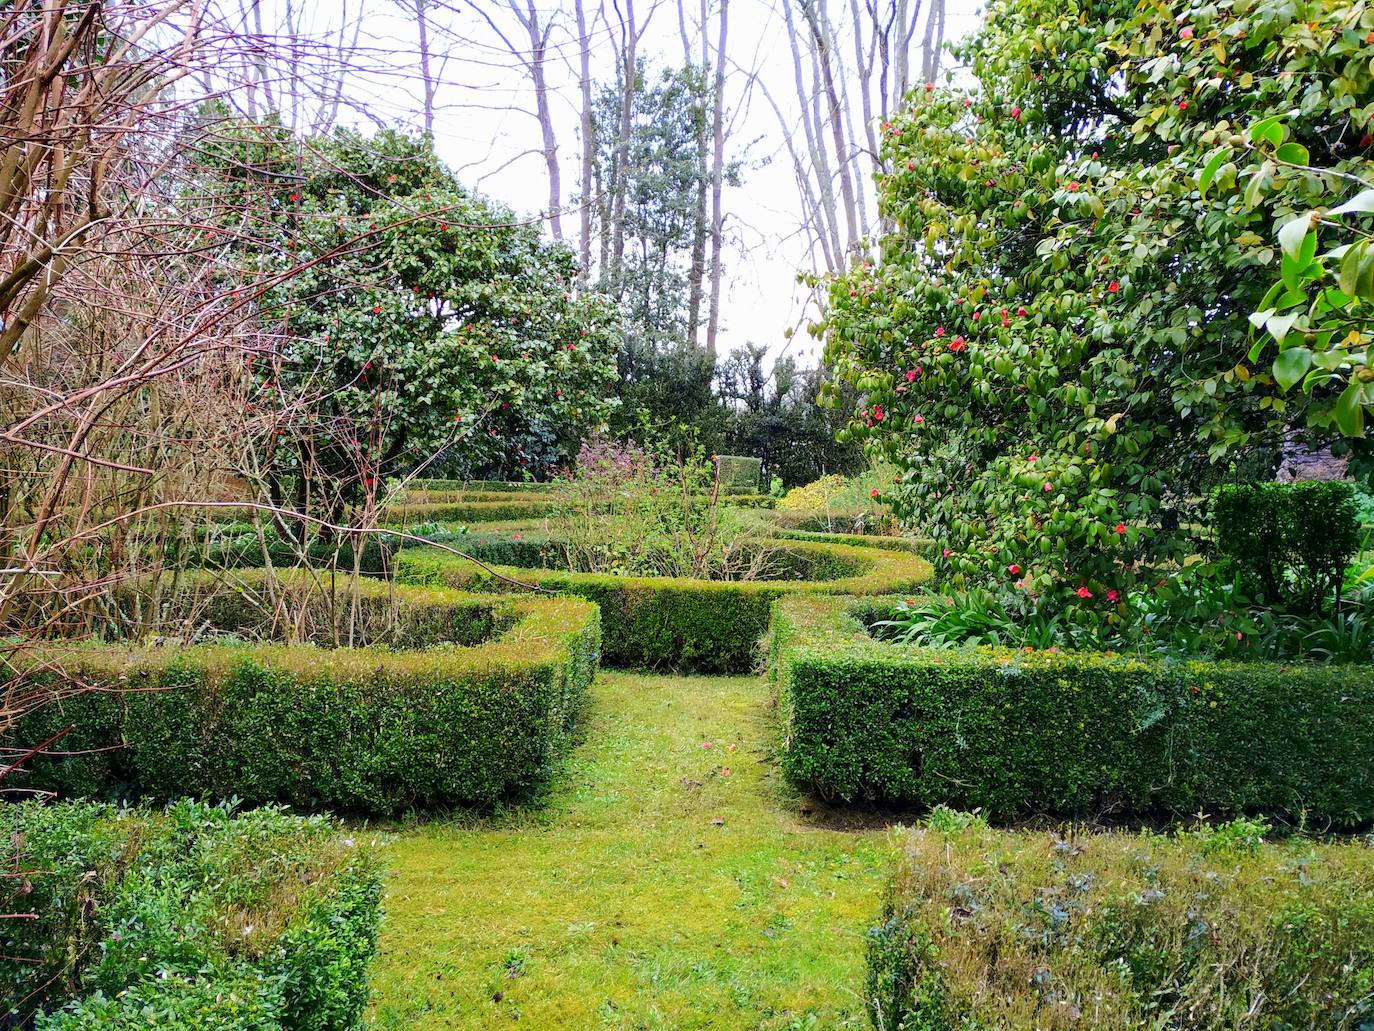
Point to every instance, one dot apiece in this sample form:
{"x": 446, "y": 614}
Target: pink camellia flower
{"x": 947, "y": 553}
{"x": 977, "y": 315}
{"x": 1121, "y": 528}
{"x": 918, "y": 420}
{"x": 1021, "y": 312}
{"x": 877, "y": 413}
{"x": 1047, "y": 487}
{"x": 1072, "y": 187}
{"x": 957, "y": 344}
{"x": 725, "y": 771}
{"x": 1083, "y": 592}
{"x": 1013, "y": 569}
{"x": 1033, "y": 459}
{"x": 1113, "y": 596}
{"x": 939, "y": 331}
{"x": 1016, "y": 112}
{"x": 910, "y": 375}
{"x": 1187, "y": 32}
{"x": 930, "y": 86}
{"x": 873, "y": 493}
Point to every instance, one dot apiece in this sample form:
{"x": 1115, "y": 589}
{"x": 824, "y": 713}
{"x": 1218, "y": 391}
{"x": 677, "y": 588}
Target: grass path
{"x": 653, "y": 890}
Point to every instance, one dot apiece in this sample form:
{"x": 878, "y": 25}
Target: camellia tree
{"x": 421, "y": 325}
{"x": 1051, "y": 344}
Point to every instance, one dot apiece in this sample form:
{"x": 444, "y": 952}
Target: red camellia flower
{"x": 877, "y": 414}
{"x": 910, "y": 375}
{"x": 1113, "y": 287}
{"x": 376, "y": 309}
{"x": 1113, "y": 596}
{"x": 1121, "y": 528}
{"x": 873, "y": 493}
{"x": 1021, "y": 312}
{"x": 930, "y": 86}
{"x": 1183, "y": 105}
{"x": 1013, "y": 569}
{"x": 977, "y": 315}
{"x": 957, "y": 344}
{"x": 1083, "y": 592}
{"x": 1016, "y": 112}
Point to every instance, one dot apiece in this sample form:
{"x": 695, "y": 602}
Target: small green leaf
{"x": 1269, "y": 130}
{"x": 1350, "y": 412}
{"x": 1293, "y": 153}
{"x": 1291, "y": 365}
{"x": 1209, "y": 170}
{"x": 1293, "y": 233}
{"x": 1362, "y": 202}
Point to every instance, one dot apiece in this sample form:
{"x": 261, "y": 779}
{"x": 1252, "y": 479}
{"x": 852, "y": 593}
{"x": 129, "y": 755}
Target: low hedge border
{"x": 466, "y": 511}
{"x": 1213, "y": 929}
{"x": 461, "y": 722}
{"x": 1021, "y": 733}
{"x": 192, "y": 918}
{"x": 490, "y": 486}
{"x": 685, "y": 625}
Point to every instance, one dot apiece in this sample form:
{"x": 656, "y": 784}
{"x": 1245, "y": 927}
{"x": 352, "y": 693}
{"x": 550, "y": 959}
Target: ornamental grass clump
{"x": 1206, "y": 930}
{"x": 651, "y": 511}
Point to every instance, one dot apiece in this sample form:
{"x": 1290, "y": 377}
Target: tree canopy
{"x": 1052, "y": 345}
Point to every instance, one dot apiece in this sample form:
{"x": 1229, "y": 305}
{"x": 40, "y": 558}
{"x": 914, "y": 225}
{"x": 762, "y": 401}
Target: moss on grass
{"x": 622, "y": 903}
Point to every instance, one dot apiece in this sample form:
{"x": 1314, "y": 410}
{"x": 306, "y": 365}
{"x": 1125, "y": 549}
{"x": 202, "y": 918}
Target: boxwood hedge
{"x": 463, "y": 700}
{"x": 467, "y": 511}
{"x": 687, "y": 625}
{"x": 1018, "y": 733}
{"x": 1210, "y": 930}
{"x": 192, "y": 918}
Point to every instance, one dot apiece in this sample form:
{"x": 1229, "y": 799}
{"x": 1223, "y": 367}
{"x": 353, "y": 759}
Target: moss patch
{"x": 623, "y": 903}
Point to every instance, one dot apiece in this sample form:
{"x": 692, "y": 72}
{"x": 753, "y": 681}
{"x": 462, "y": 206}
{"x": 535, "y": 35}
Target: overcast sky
{"x": 482, "y": 130}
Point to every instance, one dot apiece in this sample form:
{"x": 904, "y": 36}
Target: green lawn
{"x": 652, "y": 890}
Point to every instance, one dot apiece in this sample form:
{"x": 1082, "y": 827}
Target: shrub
{"x": 738, "y": 474}
{"x": 192, "y": 918}
{"x": 453, "y": 700}
{"x": 467, "y": 511}
{"x": 1021, "y": 731}
{"x": 1291, "y": 542}
{"x": 680, "y": 624}
{"x": 1208, "y": 931}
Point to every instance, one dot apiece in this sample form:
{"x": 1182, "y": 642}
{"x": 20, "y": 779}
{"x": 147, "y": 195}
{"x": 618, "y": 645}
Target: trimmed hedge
{"x": 1291, "y": 542}
{"x": 485, "y": 486}
{"x": 192, "y": 918}
{"x": 480, "y": 713}
{"x": 1018, "y": 733}
{"x": 1210, "y": 930}
{"x": 467, "y": 511}
{"x": 738, "y": 474}
{"x": 679, "y": 624}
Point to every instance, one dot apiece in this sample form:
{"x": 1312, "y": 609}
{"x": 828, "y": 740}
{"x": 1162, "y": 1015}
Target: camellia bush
{"x": 1051, "y": 344}
{"x": 422, "y": 324}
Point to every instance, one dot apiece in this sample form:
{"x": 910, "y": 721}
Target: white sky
{"x": 480, "y": 131}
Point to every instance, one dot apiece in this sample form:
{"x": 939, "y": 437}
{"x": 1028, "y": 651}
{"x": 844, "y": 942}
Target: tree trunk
{"x": 820, "y": 37}
{"x": 584, "y": 243}
{"x": 717, "y": 174}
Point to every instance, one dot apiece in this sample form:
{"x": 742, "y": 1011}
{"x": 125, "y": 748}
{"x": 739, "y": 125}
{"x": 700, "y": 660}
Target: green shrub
{"x": 192, "y": 918}
{"x": 697, "y": 625}
{"x": 481, "y": 486}
{"x": 1291, "y": 541}
{"x": 738, "y": 474}
{"x": 429, "y": 713}
{"x": 467, "y": 511}
{"x": 984, "y": 929}
{"x": 1021, "y": 732}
